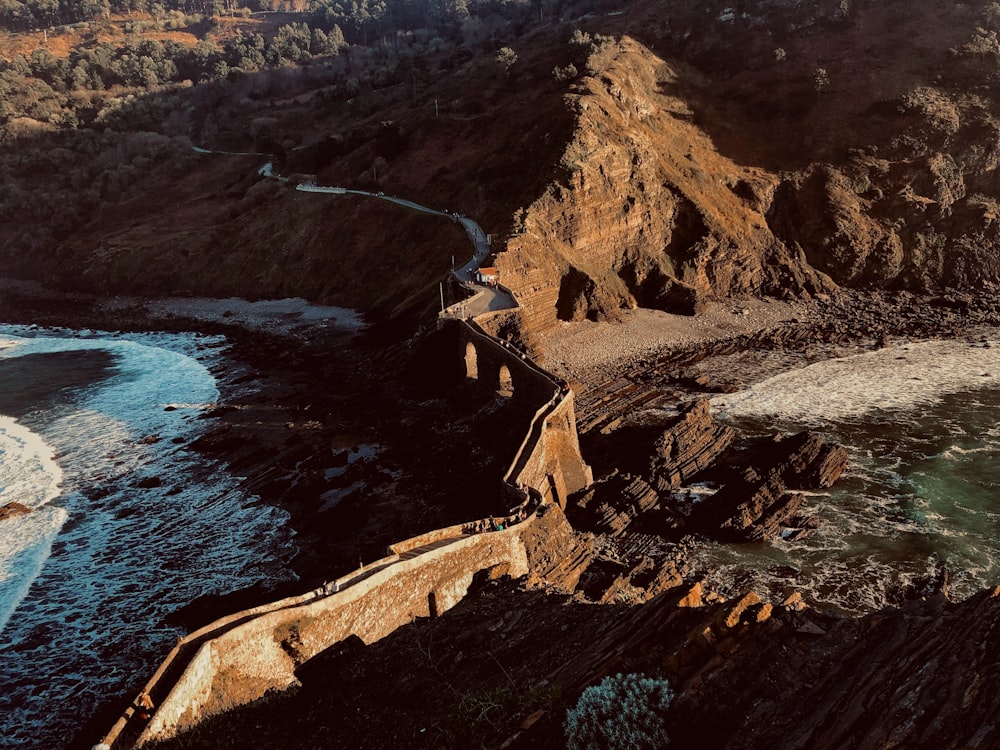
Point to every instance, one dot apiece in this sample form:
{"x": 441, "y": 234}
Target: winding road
{"x": 484, "y": 298}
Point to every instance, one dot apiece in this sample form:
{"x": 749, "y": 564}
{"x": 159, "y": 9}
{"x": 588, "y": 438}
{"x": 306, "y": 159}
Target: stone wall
{"x": 243, "y": 663}
{"x": 241, "y": 657}
{"x": 487, "y": 358}
{"x": 550, "y": 459}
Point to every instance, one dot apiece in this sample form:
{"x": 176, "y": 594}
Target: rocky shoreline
{"x": 295, "y": 406}
{"x": 329, "y": 422}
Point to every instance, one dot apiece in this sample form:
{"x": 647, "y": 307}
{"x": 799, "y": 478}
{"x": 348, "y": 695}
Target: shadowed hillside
{"x": 659, "y": 157}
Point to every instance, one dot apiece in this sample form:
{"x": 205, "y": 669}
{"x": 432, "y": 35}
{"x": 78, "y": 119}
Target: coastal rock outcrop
{"x": 689, "y": 444}
{"x": 758, "y": 500}
{"x": 918, "y": 676}
{"x": 13, "y": 510}
{"x": 649, "y": 214}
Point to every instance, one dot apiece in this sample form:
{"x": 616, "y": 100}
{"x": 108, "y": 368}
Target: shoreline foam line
{"x": 897, "y": 378}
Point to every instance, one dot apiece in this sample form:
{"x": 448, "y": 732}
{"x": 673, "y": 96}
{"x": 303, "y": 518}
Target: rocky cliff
{"x": 779, "y": 149}
{"x": 917, "y": 676}
{"x": 647, "y": 213}
{"x": 694, "y": 150}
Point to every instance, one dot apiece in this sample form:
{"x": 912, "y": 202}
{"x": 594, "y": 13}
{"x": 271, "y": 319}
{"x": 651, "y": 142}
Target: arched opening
{"x": 471, "y": 365}
{"x": 506, "y": 382}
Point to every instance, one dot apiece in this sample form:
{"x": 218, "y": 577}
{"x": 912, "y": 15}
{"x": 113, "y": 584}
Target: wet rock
{"x": 758, "y": 501}
{"x": 13, "y": 510}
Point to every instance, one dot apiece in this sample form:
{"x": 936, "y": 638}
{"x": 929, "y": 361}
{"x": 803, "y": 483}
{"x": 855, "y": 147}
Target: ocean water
{"x": 921, "y": 495}
{"x": 127, "y": 525}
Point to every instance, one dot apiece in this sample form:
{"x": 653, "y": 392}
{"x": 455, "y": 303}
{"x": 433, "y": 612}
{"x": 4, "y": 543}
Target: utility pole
{"x": 435, "y": 107}
{"x": 441, "y": 288}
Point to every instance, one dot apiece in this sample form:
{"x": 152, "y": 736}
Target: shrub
{"x": 624, "y": 712}
{"x": 565, "y": 74}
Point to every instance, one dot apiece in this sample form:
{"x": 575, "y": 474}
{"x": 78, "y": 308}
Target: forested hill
{"x": 98, "y": 118}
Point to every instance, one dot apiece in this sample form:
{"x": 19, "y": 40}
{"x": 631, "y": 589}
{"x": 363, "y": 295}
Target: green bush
{"x": 624, "y": 712}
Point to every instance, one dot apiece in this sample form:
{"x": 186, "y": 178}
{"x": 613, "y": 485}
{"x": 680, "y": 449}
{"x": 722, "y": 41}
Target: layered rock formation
{"x": 918, "y": 676}
{"x": 648, "y": 214}
{"x": 760, "y": 501}
{"x": 759, "y": 485}
{"x": 689, "y": 444}
{"x": 784, "y": 149}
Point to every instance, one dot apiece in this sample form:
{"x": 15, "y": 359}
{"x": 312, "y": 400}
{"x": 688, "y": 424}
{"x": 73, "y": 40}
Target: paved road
{"x": 484, "y": 299}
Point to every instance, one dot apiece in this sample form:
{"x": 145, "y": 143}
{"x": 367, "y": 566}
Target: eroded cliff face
{"x": 648, "y": 214}
{"x": 784, "y": 150}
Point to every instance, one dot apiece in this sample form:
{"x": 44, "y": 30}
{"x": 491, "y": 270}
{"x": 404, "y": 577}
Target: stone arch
{"x": 506, "y": 381}
{"x": 471, "y": 361}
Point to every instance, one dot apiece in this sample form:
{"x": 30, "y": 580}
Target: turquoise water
{"x": 922, "y": 492}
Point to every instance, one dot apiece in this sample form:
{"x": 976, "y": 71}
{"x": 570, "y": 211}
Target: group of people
{"x": 492, "y": 524}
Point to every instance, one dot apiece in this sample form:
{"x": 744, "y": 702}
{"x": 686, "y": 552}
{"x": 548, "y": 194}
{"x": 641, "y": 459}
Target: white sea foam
{"x": 29, "y": 473}
{"x": 30, "y": 476}
{"x": 955, "y": 452}
{"x": 25, "y": 544}
{"x": 142, "y": 526}
{"x": 896, "y": 378}
{"x": 148, "y": 379}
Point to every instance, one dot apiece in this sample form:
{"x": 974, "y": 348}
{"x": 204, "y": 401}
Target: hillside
{"x": 659, "y": 158}
{"x": 783, "y": 151}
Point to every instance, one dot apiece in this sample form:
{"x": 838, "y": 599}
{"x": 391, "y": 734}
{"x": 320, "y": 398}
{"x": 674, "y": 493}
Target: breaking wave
{"x": 918, "y": 500}
{"x": 128, "y": 524}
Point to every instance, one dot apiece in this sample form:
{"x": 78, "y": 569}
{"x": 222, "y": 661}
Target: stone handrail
{"x": 370, "y": 608}
{"x": 448, "y": 532}
{"x": 527, "y": 445}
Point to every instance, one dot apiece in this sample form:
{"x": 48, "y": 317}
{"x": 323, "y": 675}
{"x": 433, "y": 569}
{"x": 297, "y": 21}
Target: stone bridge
{"x": 549, "y": 459}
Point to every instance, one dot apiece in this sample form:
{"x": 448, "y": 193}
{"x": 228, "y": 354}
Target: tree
{"x": 821, "y": 81}
{"x": 291, "y": 42}
{"x": 324, "y": 43}
{"x": 565, "y": 74}
{"x": 991, "y": 13}
{"x": 506, "y": 57}
{"x": 624, "y": 712}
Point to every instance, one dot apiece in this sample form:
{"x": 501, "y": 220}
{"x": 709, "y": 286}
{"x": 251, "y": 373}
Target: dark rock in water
{"x": 148, "y": 483}
{"x": 759, "y": 499}
{"x": 784, "y": 571}
{"x": 13, "y": 510}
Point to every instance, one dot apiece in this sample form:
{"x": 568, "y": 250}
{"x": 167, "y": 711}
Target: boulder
{"x": 13, "y": 510}
{"x": 760, "y": 501}
{"x": 690, "y": 444}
